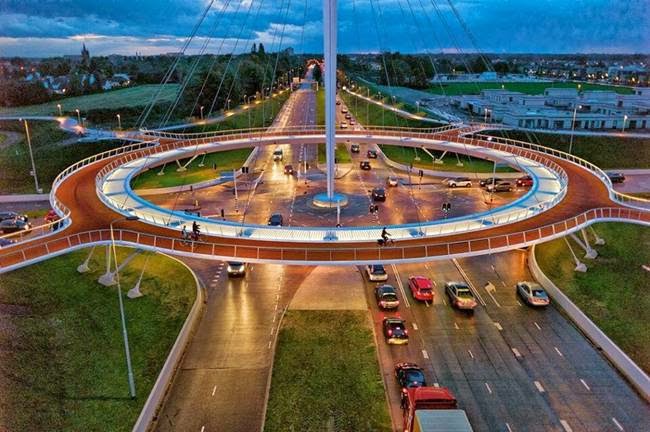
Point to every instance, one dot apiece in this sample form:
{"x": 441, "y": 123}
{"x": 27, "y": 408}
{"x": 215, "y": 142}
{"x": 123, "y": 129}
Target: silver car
{"x": 236, "y": 268}
{"x": 532, "y": 294}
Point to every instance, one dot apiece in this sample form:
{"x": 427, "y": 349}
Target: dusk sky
{"x": 38, "y": 28}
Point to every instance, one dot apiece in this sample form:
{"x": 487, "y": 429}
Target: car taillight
{"x": 390, "y": 332}
{"x": 406, "y": 332}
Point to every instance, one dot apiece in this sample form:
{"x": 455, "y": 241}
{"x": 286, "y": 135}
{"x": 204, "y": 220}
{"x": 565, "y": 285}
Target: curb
{"x": 633, "y": 373}
{"x": 149, "y": 413}
{"x": 268, "y": 382}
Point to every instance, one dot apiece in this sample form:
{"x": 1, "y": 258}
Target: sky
{"x": 43, "y": 28}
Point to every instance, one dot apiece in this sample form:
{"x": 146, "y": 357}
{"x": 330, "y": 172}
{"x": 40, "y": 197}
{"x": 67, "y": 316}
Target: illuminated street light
{"x": 78, "y": 117}
{"x": 60, "y": 110}
{"x": 201, "y": 112}
{"x": 119, "y": 122}
{"x": 573, "y": 126}
{"x": 624, "y": 121}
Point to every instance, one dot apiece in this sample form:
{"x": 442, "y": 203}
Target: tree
{"x": 260, "y": 50}
{"x": 254, "y": 49}
{"x": 317, "y": 74}
{"x": 478, "y": 65}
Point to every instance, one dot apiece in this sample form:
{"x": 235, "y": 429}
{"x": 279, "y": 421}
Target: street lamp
{"x": 60, "y": 110}
{"x": 119, "y": 122}
{"x": 78, "y": 117}
{"x": 125, "y": 336}
{"x": 31, "y": 157}
{"x": 228, "y": 105}
{"x": 624, "y": 121}
{"x": 201, "y": 112}
{"x": 368, "y": 107}
{"x": 573, "y": 126}
{"x": 487, "y": 110}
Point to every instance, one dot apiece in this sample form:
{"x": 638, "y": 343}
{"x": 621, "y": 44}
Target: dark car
{"x": 395, "y": 331}
{"x": 5, "y": 215}
{"x": 372, "y": 154}
{"x": 5, "y": 242}
{"x": 276, "y": 219}
{"x": 288, "y": 169}
{"x": 348, "y": 116}
{"x": 9, "y": 226}
{"x": 409, "y": 375}
{"x": 386, "y": 297}
{"x": 489, "y": 181}
{"x": 525, "y": 181}
{"x": 378, "y": 194}
{"x": 460, "y": 296}
{"x": 364, "y": 165}
{"x": 616, "y": 177}
{"x": 499, "y": 187}
{"x": 338, "y": 102}
{"x": 355, "y": 148}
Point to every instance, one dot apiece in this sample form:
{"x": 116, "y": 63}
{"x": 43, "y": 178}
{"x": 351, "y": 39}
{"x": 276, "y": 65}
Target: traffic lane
{"x": 221, "y": 384}
{"x": 578, "y": 380}
{"x": 634, "y": 183}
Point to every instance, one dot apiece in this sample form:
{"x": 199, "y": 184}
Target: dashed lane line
{"x": 214, "y": 390}
{"x": 425, "y": 354}
{"x": 537, "y": 325}
{"x": 487, "y": 386}
{"x": 566, "y": 426}
{"x": 539, "y": 386}
{"x": 558, "y": 352}
{"x": 401, "y": 286}
{"x": 585, "y": 384}
{"x": 618, "y": 425}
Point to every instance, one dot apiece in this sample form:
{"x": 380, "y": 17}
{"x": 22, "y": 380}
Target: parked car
{"x": 344, "y": 125}
{"x": 236, "y": 268}
{"x": 532, "y": 294}
{"x": 616, "y": 177}
{"x": 352, "y": 122}
{"x": 395, "y": 331}
{"x": 392, "y": 181}
{"x": 277, "y": 155}
{"x": 5, "y": 215}
{"x": 459, "y": 182}
{"x": 372, "y": 154}
{"x": 409, "y": 375}
{"x": 386, "y": 297}
{"x": 421, "y": 288}
{"x": 378, "y": 194}
{"x": 344, "y": 110}
{"x": 6, "y": 242}
{"x": 276, "y": 219}
{"x": 9, "y": 226}
{"x": 525, "y": 181}
{"x": 355, "y": 148}
{"x": 499, "y": 187}
{"x": 489, "y": 181}
{"x": 348, "y": 116}
{"x": 288, "y": 169}
{"x": 364, "y": 165}
{"x": 376, "y": 273}
{"x": 460, "y": 296}
{"x": 338, "y": 102}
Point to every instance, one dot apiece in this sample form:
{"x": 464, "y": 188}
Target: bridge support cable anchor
{"x": 590, "y": 253}
{"x": 599, "y": 240}
{"x": 580, "y": 266}
{"x": 84, "y": 266}
{"x": 108, "y": 278}
{"x": 135, "y": 291}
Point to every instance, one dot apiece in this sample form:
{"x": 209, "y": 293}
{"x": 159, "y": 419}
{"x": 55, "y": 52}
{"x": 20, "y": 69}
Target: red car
{"x": 525, "y": 181}
{"x": 421, "y": 288}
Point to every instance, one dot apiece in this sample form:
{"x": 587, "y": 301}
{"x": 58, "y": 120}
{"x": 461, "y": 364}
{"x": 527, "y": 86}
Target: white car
{"x": 532, "y": 294}
{"x": 236, "y": 268}
{"x": 392, "y": 181}
{"x": 344, "y": 125}
{"x": 459, "y": 182}
{"x": 376, "y": 273}
{"x": 277, "y": 155}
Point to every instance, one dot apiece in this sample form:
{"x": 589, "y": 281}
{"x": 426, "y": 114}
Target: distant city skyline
{"x": 31, "y": 28}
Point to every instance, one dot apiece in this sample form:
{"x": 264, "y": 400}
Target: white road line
{"x": 272, "y": 330}
{"x": 618, "y": 425}
{"x": 269, "y": 344}
{"x": 518, "y": 303}
{"x": 558, "y": 352}
{"x": 273, "y": 318}
{"x": 202, "y": 428}
{"x": 214, "y": 390}
{"x": 498, "y": 326}
{"x": 492, "y": 288}
{"x": 470, "y": 353}
{"x": 585, "y": 384}
{"x": 539, "y": 387}
{"x": 444, "y": 302}
{"x": 415, "y": 326}
{"x": 401, "y": 286}
{"x": 516, "y": 352}
{"x": 426, "y": 303}
{"x": 537, "y": 325}
{"x": 469, "y": 282}
{"x": 488, "y": 388}
{"x": 566, "y": 426}
{"x": 456, "y": 326}
{"x": 508, "y": 427}
{"x": 425, "y": 354}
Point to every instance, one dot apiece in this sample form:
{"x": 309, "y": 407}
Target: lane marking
{"x": 469, "y": 282}
{"x": 273, "y": 318}
{"x": 490, "y": 288}
{"x": 470, "y": 353}
{"x": 214, "y": 390}
{"x": 436, "y": 385}
{"x": 539, "y": 387}
{"x": 269, "y": 344}
{"x": 516, "y": 352}
{"x": 488, "y": 388}
{"x": 618, "y": 425}
{"x": 518, "y": 304}
{"x": 272, "y": 329}
{"x": 566, "y": 426}
{"x": 456, "y": 326}
{"x": 508, "y": 427}
{"x": 537, "y": 325}
{"x": 415, "y": 326}
{"x": 498, "y": 326}
{"x": 425, "y": 354}
{"x": 444, "y": 302}
{"x": 585, "y": 384}
{"x": 202, "y": 428}
{"x": 401, "y": 286}
{"x": 558, "y": 352}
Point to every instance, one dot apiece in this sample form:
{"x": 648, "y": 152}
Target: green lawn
{"x": 3, "y": 137}
{"x": 225, "y": 161}
{"x": 341, "y": 154}
{"x": 50, "y": 157}
{"x": 63, "y": 356}
{"x": 137, "y": 96}
{"x": 614, "y": 290}
{"x": 326, "y": 376}
{"x": 368, "y": 113}
{"x": 533, "y": 88}
{"x": 406, "y": 155}
{"x": 606, "y": 152}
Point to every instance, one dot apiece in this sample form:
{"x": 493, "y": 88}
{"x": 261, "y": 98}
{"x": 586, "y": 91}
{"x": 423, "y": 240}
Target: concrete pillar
{"x": 590, "y": 253}
{"x": 83, "y": 267}
{"x": 580, "y": 266}
{"x": 599, "y": 240}
{"x": 135, "y": 291}
{"x": 329, "y": 24}
{"x": 108, "y": 279}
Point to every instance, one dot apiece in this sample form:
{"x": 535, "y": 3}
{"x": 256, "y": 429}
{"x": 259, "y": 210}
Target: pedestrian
{"x": 184, "y": 234}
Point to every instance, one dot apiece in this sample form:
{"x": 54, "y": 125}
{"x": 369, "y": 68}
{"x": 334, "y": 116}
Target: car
{"x": 364, "y": 165}
{"x": 344, "y": 110}
{"x": 616, "y": 177}
{"x": 6, "y": 215}
{"x": 489, "y": 181}
{"x": 409, "y": 375}
{"x": 392, "y": 181}
{"x": 355, "y": 148}
{"x": 421, "y": 288}
{"x": 338, "y": 102}
{"x": 376, "y": 273}
{"x": 499, "y": 187}
{"x": 344, "y": 125}
{"x": 9, "y": 226}
{"x": 533, "y": 294}
{"x": 395, "y": 331}
{"x": 348, "y": 116}
{"x": 386, "y": 297}
{"x": 288, "y": 169}
{"x": 525, "y": 181}
{"x": 6, "y": 242}
{"x": 277, "y": 155}
{"x": 460, "y": 296}
{"x": 372, "y": 154}
{"x": 378, "y": 194}
{"x": 352, "y": 122}
{"x": 276, "y": 219}
{"x": 236, "y": 268}
{"x": 459, "y": 182}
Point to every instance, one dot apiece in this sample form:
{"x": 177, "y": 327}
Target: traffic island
{"x": 337, "y": 200}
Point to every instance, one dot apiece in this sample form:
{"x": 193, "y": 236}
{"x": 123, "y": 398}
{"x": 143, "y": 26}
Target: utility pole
{"x": 31, "y": 157}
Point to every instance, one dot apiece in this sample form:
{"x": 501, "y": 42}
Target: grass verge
{"x": 532, "y": 88}
{"x": 613, "y": 293}
{"x": 607, "y": 152}
{"x": 326, "y": 376}
{"x": 63, "y": 354}
{"x": 341, "y": 154}
{"x": 371, "y": 114}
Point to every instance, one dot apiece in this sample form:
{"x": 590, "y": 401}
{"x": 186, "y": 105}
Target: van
{"x": 277, "y": 155}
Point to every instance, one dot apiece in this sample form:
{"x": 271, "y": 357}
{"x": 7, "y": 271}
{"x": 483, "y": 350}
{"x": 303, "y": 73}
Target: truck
{"x": 432, "y": 409}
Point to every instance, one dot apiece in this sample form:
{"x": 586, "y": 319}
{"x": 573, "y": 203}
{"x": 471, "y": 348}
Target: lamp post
{"x": 125, "y": 336}
{"x": 573, "y": 126}
{"x": 368, "y": 107}
{"x": 31, "y": 157}
{"x": 119, "y": 122}
{"x": 60, "y": 110}
{"x": 487, "y": 110}
{"x": 624, "y": 121}
{"x": 78, "y": 117}
{"x": 202, "y": 112}
{"x": 228, "y": 105}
